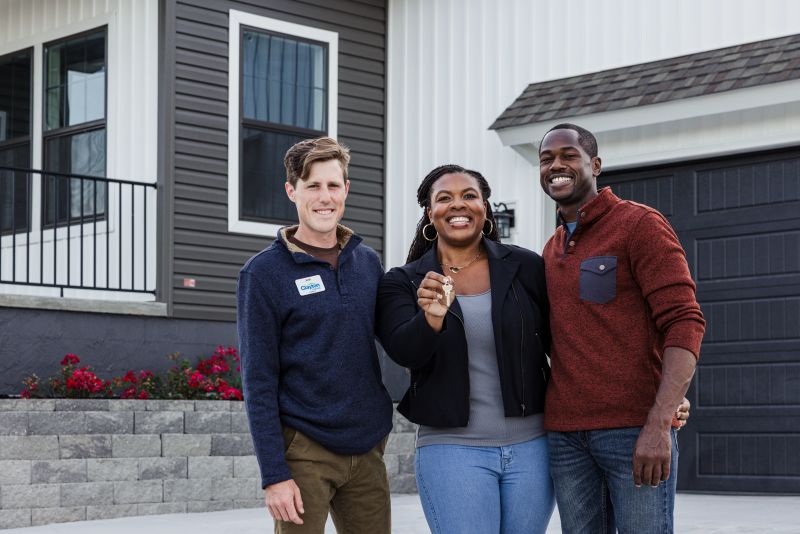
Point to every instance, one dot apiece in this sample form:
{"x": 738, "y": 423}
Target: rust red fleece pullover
{"x": 620, "y": 292}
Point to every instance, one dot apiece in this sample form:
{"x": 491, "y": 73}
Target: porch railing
{"x": 73, "y": 231}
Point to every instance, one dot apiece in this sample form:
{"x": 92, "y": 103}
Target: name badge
{"x": 310, "y": 285}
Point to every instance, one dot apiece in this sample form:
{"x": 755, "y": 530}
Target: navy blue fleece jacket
{"x": 309, "y": 359}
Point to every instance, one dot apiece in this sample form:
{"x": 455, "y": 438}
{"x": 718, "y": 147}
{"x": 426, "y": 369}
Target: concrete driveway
{"x": 694, "y": 514}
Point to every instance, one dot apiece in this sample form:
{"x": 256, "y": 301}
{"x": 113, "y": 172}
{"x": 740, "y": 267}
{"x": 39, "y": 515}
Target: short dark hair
{"x": 586, "y": 138}
{"x": 302, "y": 155}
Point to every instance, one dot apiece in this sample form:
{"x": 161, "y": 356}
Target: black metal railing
{"x": 73, "y": 231}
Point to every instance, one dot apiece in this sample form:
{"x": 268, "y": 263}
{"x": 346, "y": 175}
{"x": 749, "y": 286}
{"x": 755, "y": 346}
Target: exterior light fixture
{"x": 504, "y": 219}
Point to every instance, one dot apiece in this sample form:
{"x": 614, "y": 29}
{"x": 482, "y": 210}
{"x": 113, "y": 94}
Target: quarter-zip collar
{"x": 592, "y": 210}
{"x": 587, "y": 215}
{"x": 346, "y": 238}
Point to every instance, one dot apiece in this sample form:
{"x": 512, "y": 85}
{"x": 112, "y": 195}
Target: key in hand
{"x": 449, "y": 293}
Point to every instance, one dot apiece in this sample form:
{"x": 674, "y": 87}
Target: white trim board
{"x": 154, "y": 309}
{"x": 237, "y": 20}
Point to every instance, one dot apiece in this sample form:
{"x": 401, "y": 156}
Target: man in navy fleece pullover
{"x": 318, "y": 411}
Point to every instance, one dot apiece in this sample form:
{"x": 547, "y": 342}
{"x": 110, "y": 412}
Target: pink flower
{"x": 196, "y": 380}
{"x": 83, "y": 380}
{"x": 204, "y": 366}
{"x": 129, "y": 377}
{"x": 231, "y": 393}
{"x": 70, "y": 359}
{"x": 215, "y": 364}
{"x": 26, "y": 394}
{"x": 144, "y": 375}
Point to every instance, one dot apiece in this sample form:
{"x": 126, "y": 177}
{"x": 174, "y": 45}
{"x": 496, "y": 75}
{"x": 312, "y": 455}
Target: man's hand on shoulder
{"x": 284, "y": 502}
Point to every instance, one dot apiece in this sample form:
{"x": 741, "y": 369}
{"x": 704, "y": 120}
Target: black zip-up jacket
{"x": 439, "y": 391}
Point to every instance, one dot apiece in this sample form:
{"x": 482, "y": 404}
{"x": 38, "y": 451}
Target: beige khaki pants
{"x": 354, "y": 488}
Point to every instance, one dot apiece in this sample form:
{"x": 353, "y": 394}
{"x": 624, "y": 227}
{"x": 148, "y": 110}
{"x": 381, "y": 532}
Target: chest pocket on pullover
{"x": 599, "y": 279}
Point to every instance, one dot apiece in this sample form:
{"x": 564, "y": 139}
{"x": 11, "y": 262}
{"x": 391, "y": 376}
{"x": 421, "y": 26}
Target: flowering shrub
{"x": 216, "y": 377}
{"x": 145, "y": 385}
{"x": 73, "y": 382}
{"x": 213, "y": 378}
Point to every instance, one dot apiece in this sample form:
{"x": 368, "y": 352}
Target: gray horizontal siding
{"x": 203, "y": 249}
{"x": 202, "y": 254}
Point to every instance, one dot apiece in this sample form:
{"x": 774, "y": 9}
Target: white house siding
{"x": 455, "y": 65}
{"x": 131, "y": 130}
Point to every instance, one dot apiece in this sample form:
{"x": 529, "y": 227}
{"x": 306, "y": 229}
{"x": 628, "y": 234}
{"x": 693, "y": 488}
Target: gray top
{"x": 488, "y": 426}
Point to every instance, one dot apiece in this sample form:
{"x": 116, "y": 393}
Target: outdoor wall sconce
{"x": 503, "y": 218}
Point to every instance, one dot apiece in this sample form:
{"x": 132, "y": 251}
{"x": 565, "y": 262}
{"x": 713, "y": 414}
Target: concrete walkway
{"x": 694, "y": 514}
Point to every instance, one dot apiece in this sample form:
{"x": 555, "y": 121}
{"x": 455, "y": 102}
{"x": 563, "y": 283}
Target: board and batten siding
{"x": 131, "y": 128}
{"x": 202, "y": 247}
{"x": 131, "y": 119}
{"x": 455, "y": 65}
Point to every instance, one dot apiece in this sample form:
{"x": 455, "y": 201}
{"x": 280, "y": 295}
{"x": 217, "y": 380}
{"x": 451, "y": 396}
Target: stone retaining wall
{"x": 73, "y": 460}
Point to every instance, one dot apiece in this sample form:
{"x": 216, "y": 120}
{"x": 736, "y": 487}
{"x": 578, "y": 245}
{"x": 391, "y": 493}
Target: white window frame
{"x": 237, "y": 20}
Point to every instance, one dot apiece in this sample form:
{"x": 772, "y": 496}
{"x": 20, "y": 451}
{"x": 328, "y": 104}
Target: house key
{"x": 449, "y": 294}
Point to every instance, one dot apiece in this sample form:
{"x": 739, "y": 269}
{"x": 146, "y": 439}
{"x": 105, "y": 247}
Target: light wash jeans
{"x": 485, "y": 490}
{"x": 593, "y": 476}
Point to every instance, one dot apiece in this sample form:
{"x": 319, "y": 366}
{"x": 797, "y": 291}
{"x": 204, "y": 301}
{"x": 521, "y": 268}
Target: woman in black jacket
{"x": 468, "y": 316}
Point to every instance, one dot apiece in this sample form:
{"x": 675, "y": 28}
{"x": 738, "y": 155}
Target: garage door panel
{"x": 742, "y": 453}
{"x": 740, "y": 185}
{"x": 734, "y": 385}
{"x": 653, "y": 191}
{"x": 748, "y": 454}
{"x": 784, "y": 212}
{"x": 738, "y": 219}
{"x": 755, "y": 254}
{"x": 753, "y": 319}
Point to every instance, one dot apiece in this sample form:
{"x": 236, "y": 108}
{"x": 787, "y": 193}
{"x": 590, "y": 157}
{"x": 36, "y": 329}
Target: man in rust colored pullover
{"x": 626, "y": 337}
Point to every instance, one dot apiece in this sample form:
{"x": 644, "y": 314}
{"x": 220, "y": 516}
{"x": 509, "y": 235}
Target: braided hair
{"x": 420, "y": 245}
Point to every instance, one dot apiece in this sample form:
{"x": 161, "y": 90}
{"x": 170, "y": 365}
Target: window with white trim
{"x": 283, "y": 86}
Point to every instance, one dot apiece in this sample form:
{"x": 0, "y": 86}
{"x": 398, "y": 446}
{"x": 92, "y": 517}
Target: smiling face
{"x": 567, "y": 173}
{"x": 320, "y": 202}
{"x": 457, "y": 209}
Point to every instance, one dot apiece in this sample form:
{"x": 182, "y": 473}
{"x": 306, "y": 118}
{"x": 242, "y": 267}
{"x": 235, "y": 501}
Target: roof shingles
{"x": 703, "y": 73}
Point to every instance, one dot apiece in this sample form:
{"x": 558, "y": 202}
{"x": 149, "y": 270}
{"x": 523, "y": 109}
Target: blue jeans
{"x": 593, "y": 476}
{"x": 485, "y": 490}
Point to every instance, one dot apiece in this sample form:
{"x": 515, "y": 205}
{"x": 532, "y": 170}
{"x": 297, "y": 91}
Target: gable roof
{"x": 703, "y": 73}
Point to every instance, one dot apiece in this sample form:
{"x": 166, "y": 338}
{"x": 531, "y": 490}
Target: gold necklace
{"x": 453, "y": 269}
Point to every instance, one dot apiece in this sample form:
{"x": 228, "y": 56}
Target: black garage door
{"x": 739, "y": 221}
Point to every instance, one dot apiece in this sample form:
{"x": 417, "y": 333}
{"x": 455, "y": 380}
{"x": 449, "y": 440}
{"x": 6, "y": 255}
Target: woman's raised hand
{"x": 435, "y": 294}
